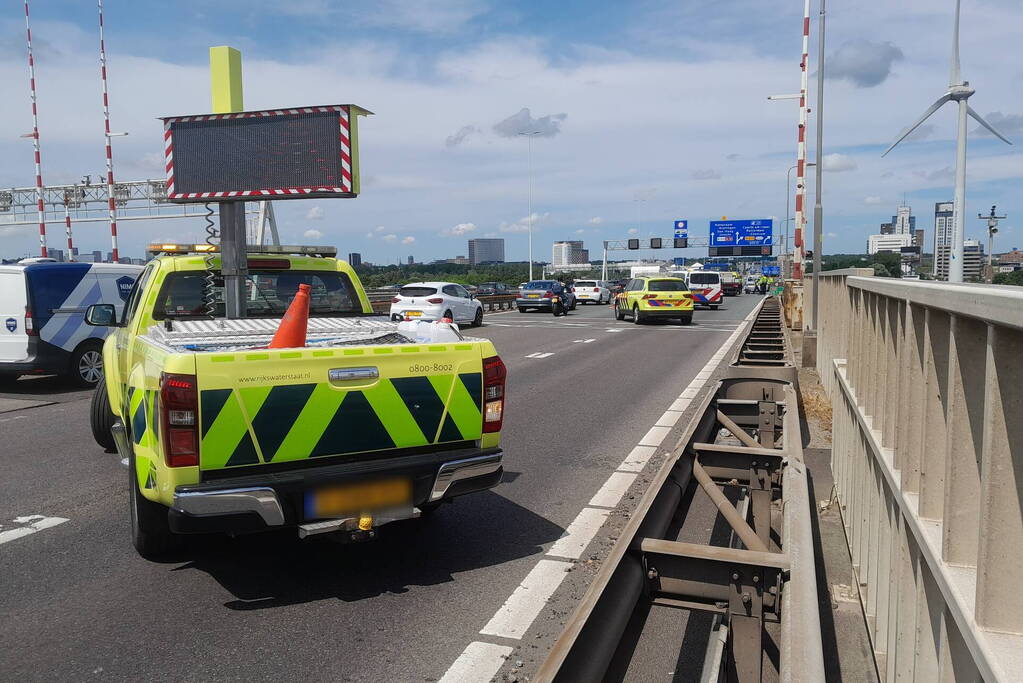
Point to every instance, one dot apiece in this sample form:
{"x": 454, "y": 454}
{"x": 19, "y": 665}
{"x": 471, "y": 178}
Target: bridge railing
{"x": 926, "y": 381}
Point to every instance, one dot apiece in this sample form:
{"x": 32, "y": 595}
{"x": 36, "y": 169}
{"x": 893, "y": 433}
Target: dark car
{"x": 492, "y": 289}
{"x": 540, "y": 294}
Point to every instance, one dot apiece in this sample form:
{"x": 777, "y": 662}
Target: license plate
{"x": 413, "y": 314}
{"x": 354, "y": 498}
{"x": 532, "y": 296}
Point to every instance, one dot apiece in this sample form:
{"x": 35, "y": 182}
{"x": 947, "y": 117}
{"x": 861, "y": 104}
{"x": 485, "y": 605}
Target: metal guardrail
{"x": 926, "y": 381}
{"x": 763, "y": 579}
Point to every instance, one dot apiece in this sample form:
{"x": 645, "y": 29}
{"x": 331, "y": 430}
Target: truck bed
{"x": 254, "y": 333}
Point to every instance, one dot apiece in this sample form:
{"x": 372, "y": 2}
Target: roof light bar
{"x": 298, "y": 249}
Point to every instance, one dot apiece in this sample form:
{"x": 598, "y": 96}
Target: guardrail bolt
{"x": 756, "y": 579}
{"x": 745, "y": 598}
{"x": 735, "y": 577}
{"x": 652, "y": 573}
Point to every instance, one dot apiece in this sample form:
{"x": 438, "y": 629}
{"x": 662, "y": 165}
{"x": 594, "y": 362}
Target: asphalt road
{"x": 78, "y": 604}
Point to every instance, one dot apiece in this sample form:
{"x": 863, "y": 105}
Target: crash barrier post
{"x": 926, "y": 383}
{"x": 744, "y": 439}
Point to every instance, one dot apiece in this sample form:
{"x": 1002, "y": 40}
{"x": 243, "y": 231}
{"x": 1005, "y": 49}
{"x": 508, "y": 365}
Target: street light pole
{"x": 785, "y": 243}
{"x": 529, "y": 198}
{"x": 818, "y": 209}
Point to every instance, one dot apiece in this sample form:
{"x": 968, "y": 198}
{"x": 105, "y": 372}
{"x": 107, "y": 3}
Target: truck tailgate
{"x": 272, "y": 406}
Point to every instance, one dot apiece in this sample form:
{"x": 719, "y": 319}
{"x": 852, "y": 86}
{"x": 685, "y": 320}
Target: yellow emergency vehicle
{"x": 364, "y": 425}
{"x": 655, "y": 297}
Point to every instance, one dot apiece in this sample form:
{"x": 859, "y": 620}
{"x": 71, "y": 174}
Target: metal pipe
{"x": 111, "y": 204}
{"x": 818, "y": 209}
{"x": 35, "y": 136}
{"x": 727, "y": 510}
{"x": 737, "y": 431}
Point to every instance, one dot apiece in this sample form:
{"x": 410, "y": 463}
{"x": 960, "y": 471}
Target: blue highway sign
{"x": 681, "y": 228}
{"x": 751, "y": 233}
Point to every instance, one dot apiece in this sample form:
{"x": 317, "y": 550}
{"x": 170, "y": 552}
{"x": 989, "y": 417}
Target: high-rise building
{"x": 569, "y": 252}
{"x": 942, "y": 233}
{"x": 354, "y": 259}
{"x": 918, "y": 239}
{"x": 486, "y": 250}
{"x": 973, "y": 261}
{"x": 887, "y": 229}
{"x": 411, "y": 260}
{"x": 903, "y": 222}
{"x": 894, "y": 243}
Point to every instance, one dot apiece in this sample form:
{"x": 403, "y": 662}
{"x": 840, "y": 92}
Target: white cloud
{"x": 523, "y": 122}
{"x": 460, "y": 136}
{"x": 863, "y": 63}
{"x": 522, "y": 224}
{"x": 391, "y": 237}
{"x": 596, "y": 220}
{"x": 379, "y": 228}
{"x": 580, "y": 231}
{"x": 832, "y": 235}
{"x": 315, "y": 213}
{"x": 370, "y": 235}
{"x": 872, "y": 199}
{"x": 312, "y": 234}
{"x": 706, "y": 174}
{"x": 409, "y": 239}
{"x": 836, "y": 163}
{"x": 459, "y": 230}
{"x": 633, "y": 231}
{"x": 1009, "y": 125}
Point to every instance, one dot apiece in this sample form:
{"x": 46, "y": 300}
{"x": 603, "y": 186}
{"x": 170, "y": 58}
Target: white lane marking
{"x": 31, "y": 524}
{"x": 637, "y": 459}
{"x": 655, "y": 436}
{"x": 583, "y": 341}
{"x": 579, "y": 534}
{"x": 680, "y": 404}
{"x": 518, "y": 612}
{"x": 615, "y": 329}
{"x": 610, "y": 494}
{"x": 124, "y": 461}
{"x": 478, "y": 663}
{"x": 539, "y": 354}
{"x": 691, "y": 391}
{"x": 669, "y": 419}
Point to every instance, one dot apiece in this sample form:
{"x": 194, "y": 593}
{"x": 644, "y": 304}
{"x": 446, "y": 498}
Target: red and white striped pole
{"x": 797, "y": 266}
{"x": 111, "y": 206}
{"x": 35, "y": 136}
{"x": 67, "y": 229}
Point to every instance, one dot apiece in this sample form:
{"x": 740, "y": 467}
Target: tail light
{"x": 494, "y": 374}
{"x": 396, "y": 300}
{"x": 435, "y": 300}
{"x": 179, "y": 419}
{"x": 30, "y": 327}
{"x": 596, "y": 289}
{"x": 548, "y": 295}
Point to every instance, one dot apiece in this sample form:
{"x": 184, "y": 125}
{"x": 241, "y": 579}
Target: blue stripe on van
{"x": 49, "y": 285}
{"x": 77, "y": 320}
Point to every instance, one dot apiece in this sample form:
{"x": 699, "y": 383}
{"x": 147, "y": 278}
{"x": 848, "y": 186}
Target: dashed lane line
{"x": 28, "y": 525}
{"x": 539, "y": 354}
{"x": 583, "y": 341}
{"x": 478, "y": 662}
{"x": 518, "y": 612}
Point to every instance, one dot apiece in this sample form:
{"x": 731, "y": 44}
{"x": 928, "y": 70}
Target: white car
{"x": 436, "y": 300}
{"x": 595, "y": 291}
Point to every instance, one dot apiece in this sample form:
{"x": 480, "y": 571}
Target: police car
{"x": 42, "y": 316}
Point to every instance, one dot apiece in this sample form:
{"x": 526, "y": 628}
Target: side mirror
{"x": 101, "y": 315}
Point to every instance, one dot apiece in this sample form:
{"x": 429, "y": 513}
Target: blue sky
{"x": 653, "y": 111}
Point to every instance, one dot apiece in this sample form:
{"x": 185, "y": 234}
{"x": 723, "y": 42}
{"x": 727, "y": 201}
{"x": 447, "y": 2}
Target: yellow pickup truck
{"x": 362, "y": 426}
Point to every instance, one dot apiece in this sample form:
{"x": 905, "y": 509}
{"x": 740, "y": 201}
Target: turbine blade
{"x": 954, "y": 78}
{"x": 933, "y": 108}
{"x": 978, "y": 119}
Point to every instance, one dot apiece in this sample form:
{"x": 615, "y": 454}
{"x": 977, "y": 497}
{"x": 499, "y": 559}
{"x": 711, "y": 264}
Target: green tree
{"x": 1012, "y": 278}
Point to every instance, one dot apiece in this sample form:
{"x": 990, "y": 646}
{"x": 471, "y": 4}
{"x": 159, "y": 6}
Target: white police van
{"x": 42, "y": 316}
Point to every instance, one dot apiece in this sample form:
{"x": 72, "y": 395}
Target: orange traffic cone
{"x": 295, "y": 323}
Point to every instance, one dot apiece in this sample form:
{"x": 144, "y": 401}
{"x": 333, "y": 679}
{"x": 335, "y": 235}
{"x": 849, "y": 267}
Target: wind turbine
{"x": 959, "y": 91}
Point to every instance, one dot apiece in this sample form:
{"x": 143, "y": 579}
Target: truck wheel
{"x": 521, "y": 309}
{"x": 478, "y": 320}
{"x": 150, "y": 531}
{"x": 687, "y": 319}
{"x": 101, "y": 418}
{"x": 635, "y": 314}
{"x": 618, "y": 312}
{"x": 714, "y": 307}
{"x": 86, "y": 367}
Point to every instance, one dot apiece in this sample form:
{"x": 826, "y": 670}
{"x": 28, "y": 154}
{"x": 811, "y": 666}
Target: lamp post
{"x": 788, "y": 184}
{"x": 529, "y": 197}
{"x": 818, "y": 209}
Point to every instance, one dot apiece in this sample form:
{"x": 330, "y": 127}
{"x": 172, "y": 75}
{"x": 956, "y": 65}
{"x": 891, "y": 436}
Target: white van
{"x": 42, "y": 317}
{"x": 706, "y": 288}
